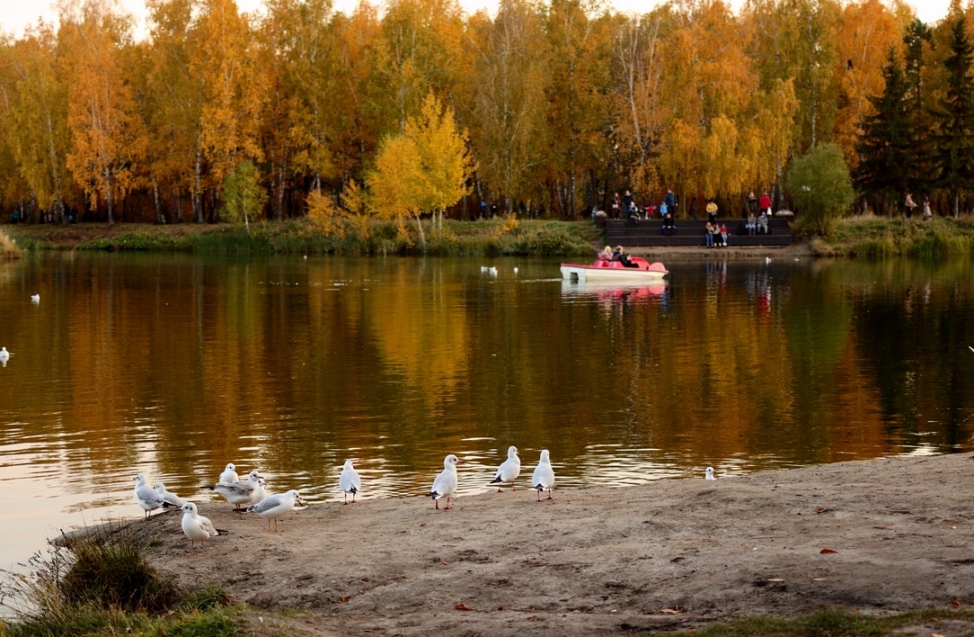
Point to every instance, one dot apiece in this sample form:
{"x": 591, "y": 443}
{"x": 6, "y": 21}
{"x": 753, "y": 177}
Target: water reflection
{"x": 173, "y": 366}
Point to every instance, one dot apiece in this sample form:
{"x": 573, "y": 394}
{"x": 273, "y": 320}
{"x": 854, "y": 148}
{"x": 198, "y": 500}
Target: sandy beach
{"x": 875, "y": 536}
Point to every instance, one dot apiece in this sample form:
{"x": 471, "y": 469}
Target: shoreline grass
{"x": 99, "y": 586}
{"x": 496, "y": 237}
{"x": 862, "y": 237}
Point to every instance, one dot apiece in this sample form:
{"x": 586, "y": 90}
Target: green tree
{"x": 954, "y": 119}
{"x": 821, "y": 187}
{"x": 885, "y": 148}
{"x": 242, "y": 195}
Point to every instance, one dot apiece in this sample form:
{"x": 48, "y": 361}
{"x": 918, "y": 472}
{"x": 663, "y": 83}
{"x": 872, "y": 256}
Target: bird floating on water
{"x": 35, "y": 298}
{"x": 4, "y": 356}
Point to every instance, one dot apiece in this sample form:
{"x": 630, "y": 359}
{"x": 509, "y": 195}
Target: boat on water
{"x": 602, "y": 270}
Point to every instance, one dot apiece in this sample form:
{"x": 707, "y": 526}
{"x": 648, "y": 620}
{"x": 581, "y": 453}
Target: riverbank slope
{"x": 871, "y": 536}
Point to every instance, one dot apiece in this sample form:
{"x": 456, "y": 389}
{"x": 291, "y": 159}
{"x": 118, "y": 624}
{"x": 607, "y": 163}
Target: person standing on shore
{"x": 670, "y": 200}
{"x": 927, "y": 214}
{"x": 765, "y": 204}
{"x": 910, "y": 205}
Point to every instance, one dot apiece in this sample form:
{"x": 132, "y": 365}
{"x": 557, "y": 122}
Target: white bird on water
{"x": 492, "y": 271}
{"x": 168, "y": 496}
{"x": 4, "y": 356}
{"x": 710, "y": 474}
{"x": 272, "y": 507}
{"x": 544, "y": 476}
{"x": 146, "y": 497}
{"x": 229, "y": 474}
{"x": 35, "y": 298}
{"x": 198, "y": 528}
{"x": 509, "y": 470}
{"x": 446, "y": 481}
{"x": 239, "y": 492}
{"x": 349, "y": 481}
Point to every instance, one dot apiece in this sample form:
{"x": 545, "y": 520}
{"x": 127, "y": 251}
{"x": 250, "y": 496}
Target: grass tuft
{"x": 101, "y": 586}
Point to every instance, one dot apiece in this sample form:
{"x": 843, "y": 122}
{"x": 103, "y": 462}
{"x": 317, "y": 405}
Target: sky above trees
{"x": 15, "y": 16}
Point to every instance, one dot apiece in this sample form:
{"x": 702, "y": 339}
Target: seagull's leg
{"x": 499, "y": 490}
{"x": 353, "y": 497}
{"x": 539, "y": 494}
{"x": 437, "y": 504}
{"x": 549, "y": 493}
{"x": 447, "y": 507}
{"x": 513, "y": 487}
{"x": 346, "y": 498}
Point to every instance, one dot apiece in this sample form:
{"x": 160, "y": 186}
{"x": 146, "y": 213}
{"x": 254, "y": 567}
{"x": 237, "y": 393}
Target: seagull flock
{"x": 250, "y": 495}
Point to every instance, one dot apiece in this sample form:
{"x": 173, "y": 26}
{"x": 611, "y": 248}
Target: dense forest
{"x": 545, "y": 109}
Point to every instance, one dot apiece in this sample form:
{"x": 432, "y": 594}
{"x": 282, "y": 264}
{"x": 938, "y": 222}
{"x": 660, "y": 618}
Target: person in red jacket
{"x": 765, "y": 203}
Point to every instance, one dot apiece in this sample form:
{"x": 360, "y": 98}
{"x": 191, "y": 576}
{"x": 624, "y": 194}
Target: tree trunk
{"x": 422, "y": 237}
{"x": 198, "y": 186}
{"x": 109, "y": 199}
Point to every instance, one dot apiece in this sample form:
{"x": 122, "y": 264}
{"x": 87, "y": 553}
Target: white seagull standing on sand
{"x": 239, "y": 492}
{"x": 196, "y": 527}
{"x": 229, "y": 474}
{"x": 446, "y": 482}
{"x": 349, "y": 481}
{"x": 274, "y": 506}
{"x": 710, "y": 474}
{"x": 146, "y": 497}
{"x": 168, "y": 496}
{"x": 544, "y": 476}
{"x": 509, "y": 470}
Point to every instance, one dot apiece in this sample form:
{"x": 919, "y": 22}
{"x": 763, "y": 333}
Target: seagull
{"x": 509, "y": 470}
{"x": 5, "y": 350}
{"x": 35, "y": 298}
{"x": 350, "y": 482}
{"x": 274, "y": 506}
{"x": 483, "y": 268}
{"x": 446, "y": 482}
{"x": 544, "y": 475}
{"x": 146, "y": 497}
{"x": 171, "y": 498}
{"x": 515, "y": 269}
{"x": 239, "y": 492}
{"x": 710, "y": 474}
{"x": 197, "y": 527}
{"x": 767, "y": 260}
{"x": 4, "y": 356}
{"x": 229, "y": 474}
{"x": 492, "y": 271}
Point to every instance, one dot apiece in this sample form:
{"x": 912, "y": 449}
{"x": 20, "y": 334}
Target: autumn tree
{"x": 507, "y": 91}
{"x": 424, "y": 169}
{"x": 821, "y": 186}
{"x": 233, "y": 86}
{"x": 36, "y": 119}
{"x": 106, "y": 135}
{"x": 242, "y": 195}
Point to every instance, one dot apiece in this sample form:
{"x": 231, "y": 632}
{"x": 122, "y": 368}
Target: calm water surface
{"x": 175, "y": 365}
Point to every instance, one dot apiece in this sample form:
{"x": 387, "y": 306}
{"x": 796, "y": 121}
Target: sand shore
{"x": 877, "y": 536}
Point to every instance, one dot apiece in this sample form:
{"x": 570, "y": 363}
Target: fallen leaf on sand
{"x": 827, "y": 551}
{"x": 461, "y": 607}
{"x": 671, "y": 611}
{"x": 955, "y": 602}
{"x": 678, "y": 559}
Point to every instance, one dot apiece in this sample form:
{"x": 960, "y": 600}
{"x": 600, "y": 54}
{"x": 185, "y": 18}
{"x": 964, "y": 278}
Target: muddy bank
{"x": 877, "y": 536}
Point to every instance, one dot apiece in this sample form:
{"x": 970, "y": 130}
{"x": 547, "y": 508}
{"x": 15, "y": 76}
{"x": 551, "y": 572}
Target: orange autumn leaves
{"x": 552, "y": 102}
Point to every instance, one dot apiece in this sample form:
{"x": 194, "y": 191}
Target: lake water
{"x": 175, "y": 365}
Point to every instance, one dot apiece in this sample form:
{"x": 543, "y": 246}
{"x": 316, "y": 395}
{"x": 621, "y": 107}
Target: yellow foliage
{"x": 323, "y": 212}
{"x": 510, "y": 224}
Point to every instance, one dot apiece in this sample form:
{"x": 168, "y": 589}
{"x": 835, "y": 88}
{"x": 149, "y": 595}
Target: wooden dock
{"x": 690, "y": 233}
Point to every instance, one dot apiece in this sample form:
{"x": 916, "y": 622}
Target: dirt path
{"x": 880, "y": 535}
